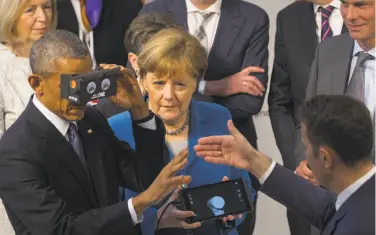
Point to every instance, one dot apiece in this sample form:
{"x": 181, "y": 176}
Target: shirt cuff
{"x": 151, "y": 124}
{"x": 267, "y": 173}
{"x": 201, "y": 87}
{"x": 135, "y": 220}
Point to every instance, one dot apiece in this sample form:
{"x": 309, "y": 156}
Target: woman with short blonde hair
{"x": 21, "y": 23}
{"x": 170, "y": 65}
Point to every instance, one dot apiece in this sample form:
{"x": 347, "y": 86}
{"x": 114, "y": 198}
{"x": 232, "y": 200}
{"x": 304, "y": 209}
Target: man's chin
{"x": 74, "y": 115}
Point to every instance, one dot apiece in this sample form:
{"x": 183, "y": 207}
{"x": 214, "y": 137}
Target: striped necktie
{"x": 200, "y": 33}
{"x": 326, "y": 30}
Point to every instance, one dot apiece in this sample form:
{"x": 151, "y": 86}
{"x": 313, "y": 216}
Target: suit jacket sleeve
{"x": 29, "y": 193}
{"x": 280, "y": 100}
{"x": 313, "y": 77}
{"x": 299, "y": 150}
{"x": 242, "y": 106}
{"x": 139, "y": 168}
{"x": 312, "y": 203}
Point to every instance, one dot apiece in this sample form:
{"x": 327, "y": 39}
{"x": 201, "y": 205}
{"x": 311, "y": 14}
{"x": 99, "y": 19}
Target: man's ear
{"x": 327, "y": 155}
{"x": 133, "y": 60}
{"x": 36, "y": 84}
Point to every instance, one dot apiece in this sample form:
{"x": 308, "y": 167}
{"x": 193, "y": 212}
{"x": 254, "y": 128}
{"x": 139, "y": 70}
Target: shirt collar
{"x": 357, "y": 49}
{"x": 215, "y": 7}
{"x": 60, "y": 124}
{"x": 350, "y": 190}
{"x": 334, "y": 3}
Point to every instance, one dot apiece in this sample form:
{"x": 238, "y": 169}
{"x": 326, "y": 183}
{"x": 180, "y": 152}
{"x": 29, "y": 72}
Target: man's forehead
{"x": 74, "y": 66}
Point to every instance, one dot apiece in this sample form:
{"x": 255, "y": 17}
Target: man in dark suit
{"x": 346, "y": 63}
{"x": 65, "y": 163}
{"x": 338, "y": 134}
{"x": 301, "y": 26}
{"x": 235, "y": 34}
{"x": 103, "y": 35}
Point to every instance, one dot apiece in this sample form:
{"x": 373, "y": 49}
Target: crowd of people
{"x": 194, "y": 73}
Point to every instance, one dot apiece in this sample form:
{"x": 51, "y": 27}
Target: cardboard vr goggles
{"x": 80, "y": 89}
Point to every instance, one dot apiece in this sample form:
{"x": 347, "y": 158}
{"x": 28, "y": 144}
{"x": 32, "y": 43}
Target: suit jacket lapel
{"x": 341, "y": 65}
{"x": 229, "y": 26}
{"x": 60, "y": 149}
{"x": 94, "y": 159}
{"x": 179, "y": 10}
{"x": 195, "y": 132}
{"x": 307, "y": 29}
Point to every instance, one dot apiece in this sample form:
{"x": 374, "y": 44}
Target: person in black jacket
{"x": 61, "y": 165}
{"x": 104, "y": 34}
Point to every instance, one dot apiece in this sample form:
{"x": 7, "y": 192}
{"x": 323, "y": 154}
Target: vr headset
{"x": 79, "y": 89}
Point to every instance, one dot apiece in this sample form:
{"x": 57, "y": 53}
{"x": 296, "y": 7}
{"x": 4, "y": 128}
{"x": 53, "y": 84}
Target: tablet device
{"x": 216, "y": 200}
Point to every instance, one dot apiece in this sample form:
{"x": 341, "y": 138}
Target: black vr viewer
{"x": 80, "y": 89}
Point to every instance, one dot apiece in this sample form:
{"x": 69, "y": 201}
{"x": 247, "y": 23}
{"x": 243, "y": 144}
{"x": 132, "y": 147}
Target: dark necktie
{"x": 75, "y": 141}
{"x": 356, "y": 86}
{"x": 326, "y": 30}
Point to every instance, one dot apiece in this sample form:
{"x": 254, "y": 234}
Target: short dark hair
{"x": 341, "y": 123}
{"x": 145, "y": 26}
{"x": 53, "y": 45}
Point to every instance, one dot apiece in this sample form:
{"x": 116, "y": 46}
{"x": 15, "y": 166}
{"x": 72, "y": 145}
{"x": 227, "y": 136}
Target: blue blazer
{"x": 206, "y": 119}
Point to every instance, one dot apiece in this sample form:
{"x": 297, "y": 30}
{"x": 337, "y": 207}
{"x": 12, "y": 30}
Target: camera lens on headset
{"x": 105, "y": 84}
{"x": 91, "y": 87}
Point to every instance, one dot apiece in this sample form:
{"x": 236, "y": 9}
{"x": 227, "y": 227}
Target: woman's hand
{"x": 230, "y": 217}
{"x": 174, "y": 218}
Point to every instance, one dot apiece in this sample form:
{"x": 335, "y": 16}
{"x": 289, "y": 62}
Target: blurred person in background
{"x": 142, "y": 28}
{"x": 21, "y": 23}
{"x": 346, "y": 64}
{"x": 301, "y": 26}
{"x": 101, "y": 25}
{"x": 170, "y": 65}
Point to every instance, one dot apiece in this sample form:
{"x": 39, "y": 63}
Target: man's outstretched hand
{"x": 233, "y": 150}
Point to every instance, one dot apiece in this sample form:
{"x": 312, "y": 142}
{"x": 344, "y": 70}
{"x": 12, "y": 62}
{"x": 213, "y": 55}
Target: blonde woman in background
{"x": 21, "y": 23}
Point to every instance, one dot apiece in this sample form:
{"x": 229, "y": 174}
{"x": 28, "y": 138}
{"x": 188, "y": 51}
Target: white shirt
{"x": 370, "y": 84}
{"x": 345, "y": 194}
{"x": 335, "y": 19}
{"x": 210, "y": 27}
{"x": 86, "y": 37}
{"x": 62, "y": 126}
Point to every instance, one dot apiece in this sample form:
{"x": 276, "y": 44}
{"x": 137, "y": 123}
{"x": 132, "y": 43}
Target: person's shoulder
{"x": 212, "y": 110}
{"x": 158, "y": 5}
{"x": 119, "y": 120}
{"x": 334, "y": 43}
{"x": 20, "y": 133}
{"x": 250, "y": 9}
{"x": 295, "y": 7}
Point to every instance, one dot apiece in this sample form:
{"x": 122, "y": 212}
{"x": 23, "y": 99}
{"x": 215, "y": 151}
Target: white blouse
{"x": 15, "y": 91}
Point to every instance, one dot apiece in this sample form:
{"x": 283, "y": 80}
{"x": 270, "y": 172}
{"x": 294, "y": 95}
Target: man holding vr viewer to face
{"x": 61, "y": 166}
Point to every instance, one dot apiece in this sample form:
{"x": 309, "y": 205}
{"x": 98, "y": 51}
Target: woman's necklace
{"x": 182, "y": 128}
